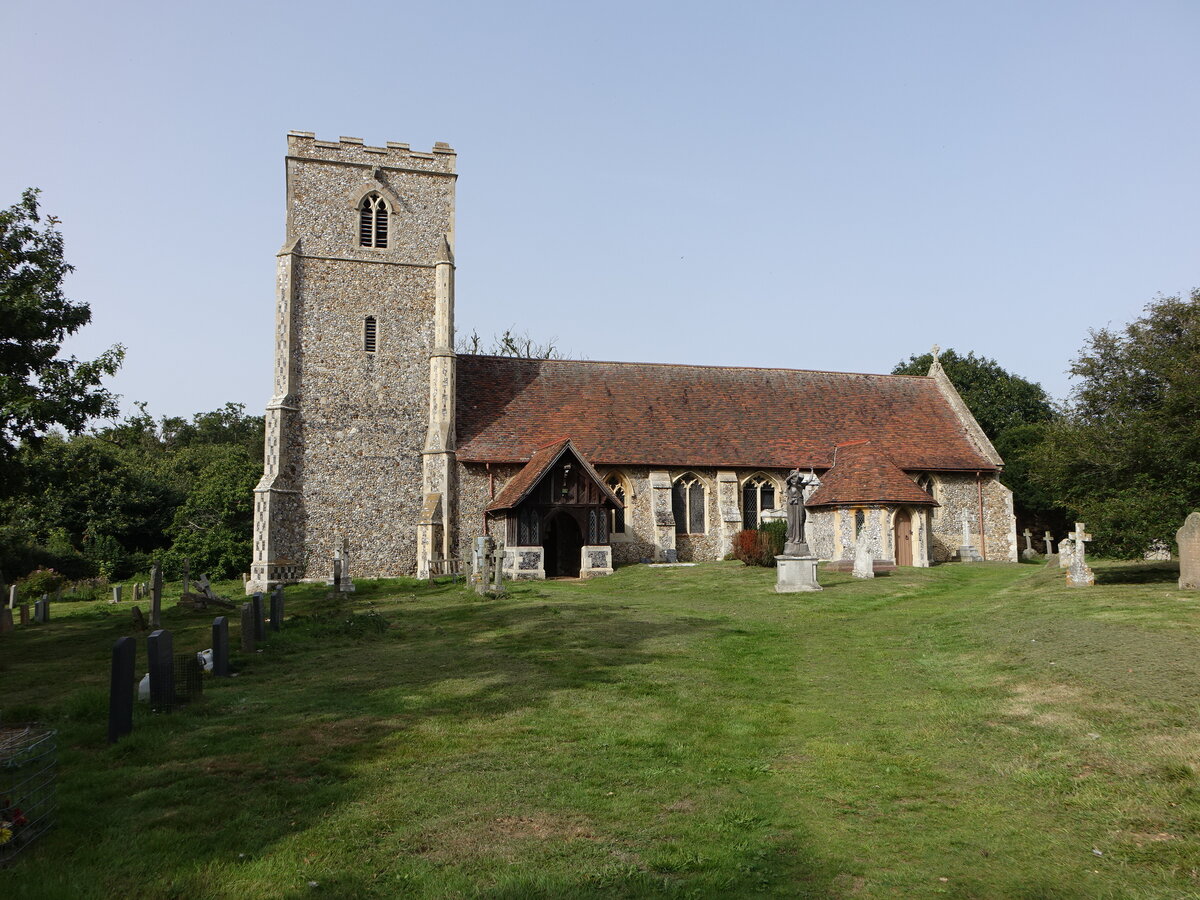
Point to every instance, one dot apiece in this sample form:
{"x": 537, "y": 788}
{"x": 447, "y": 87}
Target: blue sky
{"x": 810, "y": 185}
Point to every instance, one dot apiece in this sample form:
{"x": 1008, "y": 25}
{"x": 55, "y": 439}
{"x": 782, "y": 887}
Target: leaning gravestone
{"x": 1079, "y": 575}
{"x": 1188, "y": 538}
{"x": 1066, "y": 551}
{"x": 220, "y": 647}
{"x": 162, "y": 669}
{"x": 864, "y": 559}
{"x": 247, "y": 627}
{"x": 120, "y": 689}
{"x": 139, "y": 620}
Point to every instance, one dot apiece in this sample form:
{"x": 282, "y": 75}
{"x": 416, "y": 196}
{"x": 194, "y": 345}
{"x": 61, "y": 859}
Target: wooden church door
{"x": 902, "y": 535}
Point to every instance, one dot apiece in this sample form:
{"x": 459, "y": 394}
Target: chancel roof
{"x": 862, "y": 473}
{"x": 686, "y": 416}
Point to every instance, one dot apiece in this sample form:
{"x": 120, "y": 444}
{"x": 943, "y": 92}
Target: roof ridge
{"x": 662, "y": 365}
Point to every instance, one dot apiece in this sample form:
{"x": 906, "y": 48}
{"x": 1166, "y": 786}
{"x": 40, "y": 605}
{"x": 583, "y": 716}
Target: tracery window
{"x": 758, "y": 495}
{"x": 373, "y": 221}
{"x": 369, "y": 334}
{"x": 616, "y": 521}
{"x": 687, "y": 503}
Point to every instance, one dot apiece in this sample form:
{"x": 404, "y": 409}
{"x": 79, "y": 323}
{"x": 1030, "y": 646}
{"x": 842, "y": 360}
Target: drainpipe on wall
{"x": 491, "y": 481}
{"x": 982, "y": 539}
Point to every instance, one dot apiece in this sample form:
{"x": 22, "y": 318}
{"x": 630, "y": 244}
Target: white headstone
{"x": 1079, "y": 575}
{"x": 864, "y": 561}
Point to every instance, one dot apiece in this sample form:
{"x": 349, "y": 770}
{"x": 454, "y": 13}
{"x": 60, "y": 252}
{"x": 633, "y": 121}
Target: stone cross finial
{"x": 1049, "y": 539}
{"x": 936, "y": 351}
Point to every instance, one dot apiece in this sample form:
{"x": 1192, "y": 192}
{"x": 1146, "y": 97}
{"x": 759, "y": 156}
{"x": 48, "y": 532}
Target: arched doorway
{"x": 563, "y": 542}
{"x": 902, "y": 536}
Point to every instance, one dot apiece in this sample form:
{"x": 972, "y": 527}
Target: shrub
{"x": 776, "y": 532}
{"x": 40, "y": 581}
{"x": 754, "y": 548}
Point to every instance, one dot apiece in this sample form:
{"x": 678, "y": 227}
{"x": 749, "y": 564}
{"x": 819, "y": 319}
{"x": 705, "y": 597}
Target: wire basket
{"x": 28, "y": 778}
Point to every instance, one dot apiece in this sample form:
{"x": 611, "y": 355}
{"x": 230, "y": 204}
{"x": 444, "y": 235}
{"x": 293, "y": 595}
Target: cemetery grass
{"x": 963, "y": 731}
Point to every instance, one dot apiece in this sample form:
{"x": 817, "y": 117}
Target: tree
{"x": 1126, "y": 456}
{"x": 1014, "y": 413}
{"x": 38, "y": 389}
{"x": 510, "y": 343}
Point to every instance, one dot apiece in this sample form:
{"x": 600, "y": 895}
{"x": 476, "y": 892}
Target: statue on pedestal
{"x": 796, "y": 483}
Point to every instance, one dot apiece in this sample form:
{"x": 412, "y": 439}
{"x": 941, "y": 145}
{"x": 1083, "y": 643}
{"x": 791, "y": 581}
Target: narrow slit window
{"x": 369, "y": 334}
{"x": 373, "y": 222}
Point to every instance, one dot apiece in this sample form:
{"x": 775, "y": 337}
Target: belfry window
{"x": 687, "y": 503}
{"x": 373, "y": 221}
{"x": 616, "y": 524}
{"x": 369, "y": 334}
{"x": 758, "y": 495}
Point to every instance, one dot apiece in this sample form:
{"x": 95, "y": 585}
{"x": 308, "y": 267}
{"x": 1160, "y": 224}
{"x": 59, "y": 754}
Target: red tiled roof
{"x": 862, "y": 473}
{"x": 685, "y": 416}
{"x": 519, "y": 486}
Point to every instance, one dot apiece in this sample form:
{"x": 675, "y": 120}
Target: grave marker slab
{"x": 160, "y": 652}
{"x": 248, "y": 628}
{"x": 139, "y": 621}
{"x": 1188, "y": 538}
{"x": 120, "y": 689}
{"x": 1066, "y": 550}
{"x": 156, "y": 585}
{"x": 864, "y": 559}
{"x": 116, "y": 594}
{"x": 12, "y": 595}
{"x": 277, "y": 609}
{"x": 220, "y": 647}
{"x": 24, "y": 610}
{"x": 6, "y": 620}
{"x": 260, "y": 625}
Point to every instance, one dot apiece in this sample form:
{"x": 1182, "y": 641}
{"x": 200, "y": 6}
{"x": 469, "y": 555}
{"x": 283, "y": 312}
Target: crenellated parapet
{"x": 354, "y": 151}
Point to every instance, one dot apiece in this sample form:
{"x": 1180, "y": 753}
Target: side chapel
{"x": 380, "y": 438}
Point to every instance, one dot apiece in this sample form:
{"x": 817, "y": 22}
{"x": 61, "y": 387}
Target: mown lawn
{"x": 963, "y": 731}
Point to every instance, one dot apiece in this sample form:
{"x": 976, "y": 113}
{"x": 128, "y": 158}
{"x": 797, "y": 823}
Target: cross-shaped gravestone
{"x": 1049, "y": 539}
{"x": 1028, "y": 552}
{"x": 1079, "y": 575}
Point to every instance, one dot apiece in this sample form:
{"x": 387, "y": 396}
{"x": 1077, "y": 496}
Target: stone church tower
{"x": 360, "y": 427}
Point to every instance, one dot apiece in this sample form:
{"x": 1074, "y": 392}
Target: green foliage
{"x": 213, "y": 526}
{"x": 776, "y": 532}
{"x": 40, "y": 581}
{"x": 1126, "y": 456}
{"x": 1014, "y": 413}
{"x": 38, "y": 389}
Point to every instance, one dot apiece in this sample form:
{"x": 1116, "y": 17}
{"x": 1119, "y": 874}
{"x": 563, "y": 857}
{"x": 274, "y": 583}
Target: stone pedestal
{"x": 969, "y": 554}
{"x": 796, "y": 573}
{"x": 792, "y": 548}
{"x": 524, "y": 563}
{"x": 595, "y": 559}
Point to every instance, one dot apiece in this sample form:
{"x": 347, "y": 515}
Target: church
{"x": 388, "y": 449}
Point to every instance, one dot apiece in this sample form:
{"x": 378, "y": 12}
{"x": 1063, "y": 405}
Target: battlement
{"x": 353, "y": 151}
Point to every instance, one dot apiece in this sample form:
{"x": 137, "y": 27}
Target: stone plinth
{"x": 524, "y": 563}
{"x": 969, "y": 554}
{"x": 595, "y": 559}
{"x": 796, "y": 573}
{"x": 1188, "y": 538}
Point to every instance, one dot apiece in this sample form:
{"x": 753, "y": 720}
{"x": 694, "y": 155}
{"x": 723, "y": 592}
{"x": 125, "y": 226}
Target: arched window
{"x": 373, "y": 221}
{"x": 687, "y": 502}
{"x": 758, "y": 495}
{"x": 860, "y": 519}
{"x": 616, "y": 523}
{"x": 369, "y": 334}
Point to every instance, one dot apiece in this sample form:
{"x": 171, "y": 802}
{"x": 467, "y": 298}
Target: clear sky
{"x": 828, "y": 185}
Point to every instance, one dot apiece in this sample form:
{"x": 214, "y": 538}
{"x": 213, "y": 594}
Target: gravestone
{"x": 41, "y": 611}
{"x": 248, "y": 642}
{"x": 120, "y": 689}
{"x": 344, "y": 555}
{"x": 139, "y": 621}
{"x": 967, "y": 551}
{"x": 116, "y": 594}
{"x": 137, "y": 591}
{"x": 864, "y": 559}
{"x": 24, "y": 610}
{"x": 260, "y": 625}
{"x": 1079, "y": 575}
{"x": 1188, "y": 538}
{"x": 6, "y": 620}
{"x": 337, "y": 574}
{"x": 277, "y": 608}
{"x": 1049, "y": 539}
{"x": 1066, "y": 551}
{"x": 156, "y": 584}
{"x": 162, "y": 669}
{"x": 220, "y": 647}
{"x": 12, "y": 596}
{"x": 1028, "y": 552}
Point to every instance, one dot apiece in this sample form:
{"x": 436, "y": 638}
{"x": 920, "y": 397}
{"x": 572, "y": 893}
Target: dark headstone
{"x": 220, "y": 647}
{"x": 248, "y": 641}
{"x": 23, "y": 609}
{"x": 162, "y": 669}
{"x": 120, "y": 689}
{"x": 41, "y": 611}
{"x": 260, "y": 623}
{"x": 277, "y": 609}
{"x": 6, "y": 620}
{"x": 156, "y": 584}
{"x": 337, "y": 574}
{"x": 139, "y": 620}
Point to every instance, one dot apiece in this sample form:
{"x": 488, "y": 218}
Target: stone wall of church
{"x": 477, "y": 487}
{"x": 959, "y": 497}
